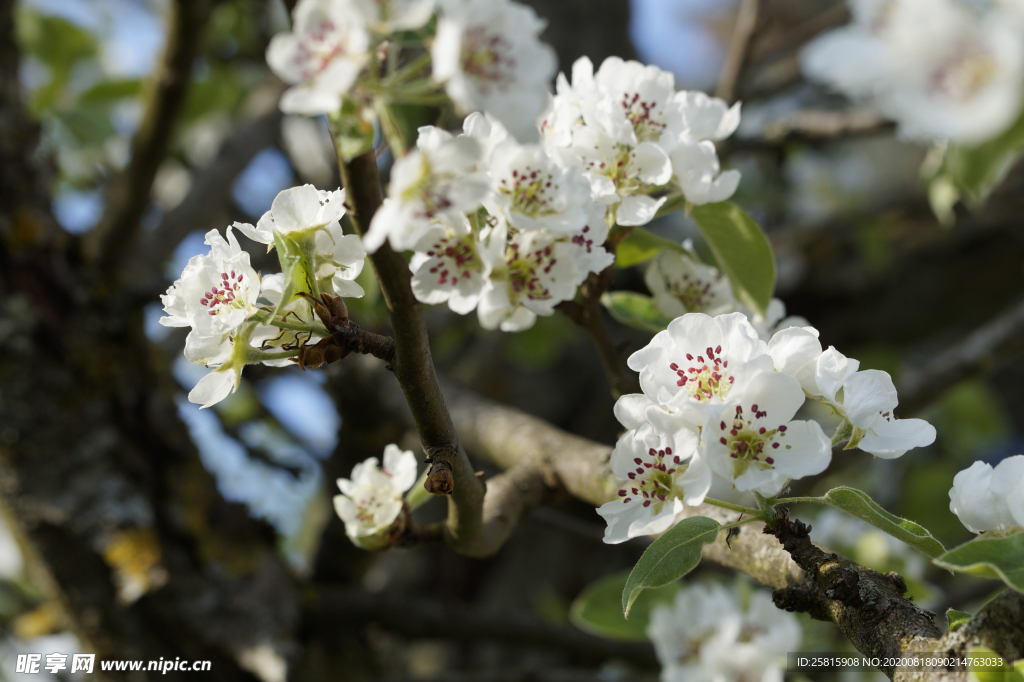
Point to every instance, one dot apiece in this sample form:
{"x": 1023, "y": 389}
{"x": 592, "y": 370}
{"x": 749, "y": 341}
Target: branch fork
{"x": 346, "y": 336}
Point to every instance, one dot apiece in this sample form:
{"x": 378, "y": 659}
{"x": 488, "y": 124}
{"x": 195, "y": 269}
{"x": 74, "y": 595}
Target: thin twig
{"x": 128, "y": 197}
{"x": 739, "y": 43}
{"x": 984, "y": 349}
{"x": 587, "y": 313}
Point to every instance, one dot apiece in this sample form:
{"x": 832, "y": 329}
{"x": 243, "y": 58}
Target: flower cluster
{"x": 371, "y": 501}
{"x": 631, "y": 134}
{"x": 485, "y": 54}
{"x": 708, "y": 634}
{"x": 945, "y": 69}
{"x": 718, "y": 401}
{"x": 682, "y": 284}
{"x": 238, "y": 317}
{"x": 990, "y": 500}
{"x": 495, "y": 225}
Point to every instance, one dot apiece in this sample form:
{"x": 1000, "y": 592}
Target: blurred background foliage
{"x": 860, "y": 255}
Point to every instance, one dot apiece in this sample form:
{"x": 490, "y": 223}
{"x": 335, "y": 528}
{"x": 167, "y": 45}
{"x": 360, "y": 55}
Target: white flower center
{"x": 454, "y": 258}
{"x": 224, "y": 296}
{"x": 704, "y": 379}
{"x": 654, "y": 478}
{"x": 693, "y": 292}
{"x": 317, "y": 48}
{"x": 965, "y": 73}
{"x": 524, "y": 271}
{"x": 747, "y": 441}
{"x": 619, "y": 169}
{"x": 530, "y": 191}
{"x": 646, "y": 122}
{"x": 486, "y": 57}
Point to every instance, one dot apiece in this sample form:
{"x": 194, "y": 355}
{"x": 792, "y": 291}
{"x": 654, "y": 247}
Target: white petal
{"x": 213, "y": 388}
{"x": 793, "y": 349}
{"x": 637, "y": 210}
{"x": 629, "y": 410}
{"x": 891, "y": 439}
{"x": 651, "y": 163}
{"x": 867, "y": 396}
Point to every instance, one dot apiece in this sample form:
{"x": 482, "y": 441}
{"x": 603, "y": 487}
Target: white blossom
{"x": 988, "y": 499}
{"x": 297, "y": 212}
{"x": 696, "y": 169}
{"x": 438, "y": 180}
{"x": 869, "y": 401}
{"x": 657, "y": 461}
{"x": 215, "y": 293}
{"x": 322, "y": 56}
{"x": 753, "y": 440}
{"x": 635, "y": 99}
{"x": 339, "y": 258}
{"x": 488, "y": 55}
{"x": 530, "y": 276}
{"x": 450, "y": 265}
{"x": 705, "y": 635}
{"x": 388, "y": 16}
{"x": 681, "y": 285}
{"x": 371, "y": 500}
{"x": 946, "y": 69}
{"x": 699, "y": 361}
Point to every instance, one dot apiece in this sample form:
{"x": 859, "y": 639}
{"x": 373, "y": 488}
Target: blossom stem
{"x": 407, "y": 72}
{"x": 418, "y": 494}
{"x": 789, "y": 500}
{"x": 281, "y": 355}
{"x": 734, "y": 507}
{"x": 741, "y": 522}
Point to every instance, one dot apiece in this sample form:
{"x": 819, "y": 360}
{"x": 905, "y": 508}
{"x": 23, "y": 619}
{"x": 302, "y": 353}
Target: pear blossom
{"x": 661, "y": 472}
{"x": 706, "y": 635}
{"x": 697, "y": 171}
{"x": 621, "y": 172}
{"x": 587, "y": 242}
{"x": 706, "y": 118}
{"x": 754, "y": 442}
{"x": 681, "y": 285}
{"x": 452, "y": 264}
{"x": 437, "y": 180}
{"x": 533, "y": 273}
{"x": 338, "y": 259}
{"x": 297, "y": 212}
{"x": 269, "y": 338}
{"x": 534, "y": 193}
{"x": 945, "y": 69}
{"x": 699, "y": 361}
{"x": 488, "y": 55}
{"x": 322, "y": 56}
{"x": 990, "y": 499}
{"x": 217, "y": 292}
{"x": 371, "y": 500}
{"x": 387, "y": 16}
{"x": 638, "y": 98}
{"x": 869, "y": 399}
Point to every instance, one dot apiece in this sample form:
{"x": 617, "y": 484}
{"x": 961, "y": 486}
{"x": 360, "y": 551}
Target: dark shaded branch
{"x": 128, "y": 196}
{"x": 587, "y": 313}
{"x": 418, "y": 617}
{"x": 816, "y": 125}
{"x": 736, "y": 56}
{"x": 867, "y": 606}
{"x": 211, "y": 190}
{"x": 451, "y": 471}
{"x": 984, "y": 349}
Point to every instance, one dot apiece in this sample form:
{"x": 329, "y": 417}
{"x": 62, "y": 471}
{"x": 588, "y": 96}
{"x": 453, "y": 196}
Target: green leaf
{"x": 977, "y": 170}
{"x": 741, "y": 249}
{"x": 857, "y": 503}
{"x": 641, "y": 246}
{"x": 598, "y": 609}
{"x": 669, "y": 558}
{"x": 353, "y": 135}
{"x": 991, "y": 556}
{"x": 956, "y": 618}
{"x": 111, "y": 90}
{"x": 635, "y": 310}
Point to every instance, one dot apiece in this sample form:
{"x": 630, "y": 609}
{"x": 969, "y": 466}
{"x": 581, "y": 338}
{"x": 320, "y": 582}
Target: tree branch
{"x": 588, "y": 314}
{"x": 128, "y": 197}
{"x": 739, "y": 44}
{"x": 211, "y": 190}
{"x": 450, "y": 469}
{"x": 418, "y": 617}
{"x": 816, "y": 125}
{"x": 984, "y": 349}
